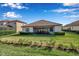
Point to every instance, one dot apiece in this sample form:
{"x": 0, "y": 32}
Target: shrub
{"x": 73, "y": 48}
{"x": 59, "y": 33}
{"x": 60, "y": 47}
{"x": 34, "y": 44}
{"x": 20, "y": 41}
{"x": 53, "y": 44}
{"x": 24, "y": 33}
{"x": 77, "y": 32}
{"x": 50, "y": 45}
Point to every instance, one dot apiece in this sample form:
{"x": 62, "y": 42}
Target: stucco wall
{"x": 19, "y": 26}
{"x": 66, "y": 28}
{"x": 57, "y": 28}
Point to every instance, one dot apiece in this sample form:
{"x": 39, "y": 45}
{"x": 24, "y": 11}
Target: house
{"x": 74, "y": 26}
{"x": 42, "y": 26}
{"x": 11, "y": 25}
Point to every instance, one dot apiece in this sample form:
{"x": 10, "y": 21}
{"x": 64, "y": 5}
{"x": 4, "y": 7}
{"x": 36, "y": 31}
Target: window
{"x": 27, "y": 29}
{"x": 1, "y": 24}
{"x": 51, "y": 29}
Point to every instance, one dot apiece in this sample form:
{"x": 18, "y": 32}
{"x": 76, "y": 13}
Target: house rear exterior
{"x": 42, "y": 26}
{"x": 14, "y": 25}
{"x": 74, "y": 26}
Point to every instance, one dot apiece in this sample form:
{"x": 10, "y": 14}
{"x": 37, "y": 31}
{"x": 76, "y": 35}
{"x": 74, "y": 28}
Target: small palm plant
{"x": 20, "y": 41}
{"x": 50, "y": 45}
{"x": 60, "y": 47}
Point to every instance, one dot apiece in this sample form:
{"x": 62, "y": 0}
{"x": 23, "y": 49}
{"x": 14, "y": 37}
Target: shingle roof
{"x": 76, "y": 23}
{"x": 42, "y": 23}
{"x": 12, "y": 21}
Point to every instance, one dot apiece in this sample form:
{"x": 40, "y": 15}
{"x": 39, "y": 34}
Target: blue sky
{"x": 63, "y": 13}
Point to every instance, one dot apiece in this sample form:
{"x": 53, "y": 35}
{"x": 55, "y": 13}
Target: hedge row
{"x": 59, "y": 33}
{"x": 55, "y": 33}
{"x": 71, "y": 31}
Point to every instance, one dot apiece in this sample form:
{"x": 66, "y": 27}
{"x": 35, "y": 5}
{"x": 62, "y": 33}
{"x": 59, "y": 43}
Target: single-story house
{"x": 42, "y": 26}
{"x": 14, "y": 25}
{"x": 74, "y": 26}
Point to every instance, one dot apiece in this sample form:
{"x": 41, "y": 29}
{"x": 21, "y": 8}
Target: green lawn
{"x": 10, "y": 49}
{"x": 67, "y": 39}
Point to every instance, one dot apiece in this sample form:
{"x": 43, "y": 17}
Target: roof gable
{"x": 12, "y": 21}
{"x": 75, "y": 23}
{"x": 42, "y": 23}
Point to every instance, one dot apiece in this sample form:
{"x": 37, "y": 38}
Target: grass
{"x": 10, "y": 50}
{"x": 6, "y": 32}
{"x": 66, "y": 40}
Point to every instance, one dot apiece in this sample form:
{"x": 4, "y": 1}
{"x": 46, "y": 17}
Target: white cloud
{"x": 64, "y": 10}
{"x": 11, "y": 15}
{"x": 70, "y": 4}
{"x": 72, "y": 16}
{"x": 15, "y": 5}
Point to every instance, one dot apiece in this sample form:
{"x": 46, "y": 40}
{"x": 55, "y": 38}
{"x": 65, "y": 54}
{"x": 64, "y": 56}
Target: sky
{"x": 62, "y": 13}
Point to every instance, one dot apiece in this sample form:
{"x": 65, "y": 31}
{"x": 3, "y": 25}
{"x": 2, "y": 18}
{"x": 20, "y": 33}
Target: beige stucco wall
{"x": 66, "y": 28}
{"x": 19, "y": 26}
{"x": 57, "y": 28}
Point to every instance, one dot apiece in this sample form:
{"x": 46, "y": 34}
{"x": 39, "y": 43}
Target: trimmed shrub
{"x": 24, "y": 33}
{"x": 77, "y": 32}
{"x": 59, "y": 33}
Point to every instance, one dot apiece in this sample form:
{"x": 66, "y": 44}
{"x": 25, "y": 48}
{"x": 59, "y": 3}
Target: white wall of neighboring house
{"x": 76, "y": 28}
{"x": 57, "y": 28}
{"x": 66, "y": 28}
{"x": 8, "y": 23}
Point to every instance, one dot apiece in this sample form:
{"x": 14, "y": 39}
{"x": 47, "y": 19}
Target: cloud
{"x": 11, "y": 15}
{"x": 72, "y": 16}
{"x": 63, "y": 10}
{"x": 15, "y": 5}
{"x": 71, "y": 4}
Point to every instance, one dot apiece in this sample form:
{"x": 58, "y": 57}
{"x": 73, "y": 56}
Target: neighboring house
{"x": 74, "y": 26}
{"x": 42, "y": 26}
{"x": 11, "y": 25}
